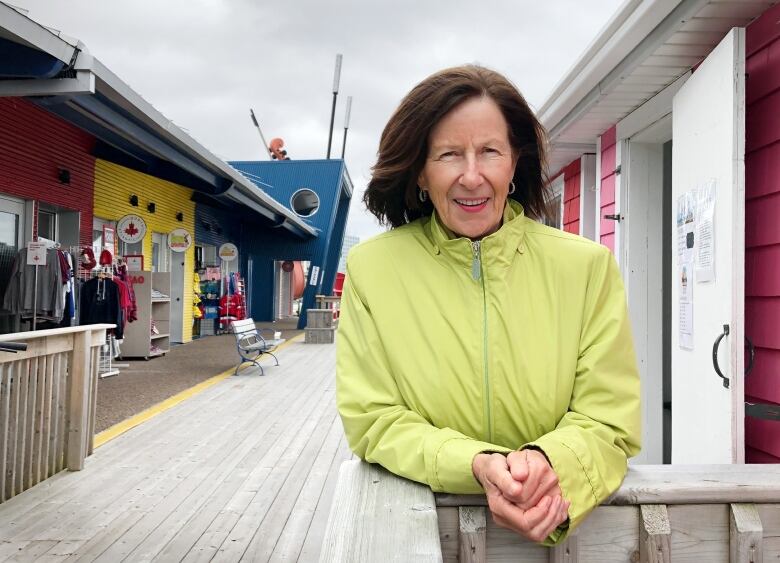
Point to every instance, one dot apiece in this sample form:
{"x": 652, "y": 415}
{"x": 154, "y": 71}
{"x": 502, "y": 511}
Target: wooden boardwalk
{"x": 244, "y": 471}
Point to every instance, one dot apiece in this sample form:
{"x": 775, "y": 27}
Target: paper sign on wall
{"x": 109, "y": 238}
{"x": 686, "y": 244}
{"x": 315, "y": 274}
{"x": 705, "y": 232}
{"x": 685, "y": 287}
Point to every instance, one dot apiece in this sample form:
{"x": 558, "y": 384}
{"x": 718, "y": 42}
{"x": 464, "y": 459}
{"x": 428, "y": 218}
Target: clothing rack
{"x": 110, "y": 349}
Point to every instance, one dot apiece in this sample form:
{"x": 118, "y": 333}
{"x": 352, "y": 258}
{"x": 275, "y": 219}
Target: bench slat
{"x": 378, "y": 517}
{"x": 243, "y": 326}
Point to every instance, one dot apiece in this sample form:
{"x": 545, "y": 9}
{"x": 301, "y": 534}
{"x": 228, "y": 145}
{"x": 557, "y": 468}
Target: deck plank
{"x": 310, "y": 552}
{"x": 240, "y": 537}
{"x": 293, "y": 534}
{"x": 189, "y": 517}
{"x": 245, "y": 468}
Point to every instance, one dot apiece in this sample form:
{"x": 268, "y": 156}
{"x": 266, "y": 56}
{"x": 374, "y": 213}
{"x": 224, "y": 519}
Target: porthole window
{"x": 305, "y": 202}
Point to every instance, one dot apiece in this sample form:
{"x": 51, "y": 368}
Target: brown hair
{"x": 392, "y": 192}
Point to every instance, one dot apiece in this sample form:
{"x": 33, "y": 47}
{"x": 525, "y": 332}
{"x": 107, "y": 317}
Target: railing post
{"x": 746, "y": 534}
{"x": 472, "y": 534}
{"x": 78, "y": 401}
{"x": 655, "y": 534}
{"x": 566, "y": 552}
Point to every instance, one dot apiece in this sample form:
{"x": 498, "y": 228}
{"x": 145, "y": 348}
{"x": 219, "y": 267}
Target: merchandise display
{"x": 150, "y": 336}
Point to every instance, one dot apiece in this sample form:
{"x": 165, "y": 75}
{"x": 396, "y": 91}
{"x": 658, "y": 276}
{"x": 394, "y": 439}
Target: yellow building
{"x": 164, "y": 207}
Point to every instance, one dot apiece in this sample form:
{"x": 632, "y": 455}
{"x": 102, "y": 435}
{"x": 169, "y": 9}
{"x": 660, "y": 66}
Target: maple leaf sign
{"x": 131, "y": 229}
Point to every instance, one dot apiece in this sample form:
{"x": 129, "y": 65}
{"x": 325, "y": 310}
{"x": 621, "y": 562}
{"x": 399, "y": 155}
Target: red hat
{"x": 87, "y": 258}
{"x": 106, "y": 258}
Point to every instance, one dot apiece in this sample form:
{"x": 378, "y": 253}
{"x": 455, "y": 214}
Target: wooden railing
{"x": 696, "y": 514}
{"x": 47, "y": 404}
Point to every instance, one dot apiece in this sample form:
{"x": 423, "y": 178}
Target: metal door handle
{"x": 616, "y": 217}
{"x": 715, "y": 356}
{"x": 751, "y": 350}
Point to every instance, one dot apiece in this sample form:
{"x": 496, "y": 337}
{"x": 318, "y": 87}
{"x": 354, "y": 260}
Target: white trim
{"x": 738, "y": 202}
{"x": 84, "y": 83}
{"x": 33, "y": 34}
{"x": 587, "y": 195}
{"x": 645, "y": 26}
{"x": 642, "y": 239}
{"x": 597, "y": 229}
{"x": 653, "y": 110}
{"x": 558, "y": 188}
{"x": 619, "y": 197}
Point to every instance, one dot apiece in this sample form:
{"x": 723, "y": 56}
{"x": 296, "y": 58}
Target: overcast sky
{"x": 204, "y": 63}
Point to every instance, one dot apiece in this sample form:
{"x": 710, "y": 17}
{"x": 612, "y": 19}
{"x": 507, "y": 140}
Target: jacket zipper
{"x": 476, "y": 274}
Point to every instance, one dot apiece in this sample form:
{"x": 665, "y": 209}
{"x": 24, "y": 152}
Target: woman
{"x": 480, "y": 350}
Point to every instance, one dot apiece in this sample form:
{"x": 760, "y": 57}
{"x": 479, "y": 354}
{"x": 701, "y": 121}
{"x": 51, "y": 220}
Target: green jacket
{"x": 448, "y": 348}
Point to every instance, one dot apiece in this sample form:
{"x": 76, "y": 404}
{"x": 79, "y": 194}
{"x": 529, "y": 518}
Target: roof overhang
{"x": 644, "y": 48}
{"x": 88, "y": 94}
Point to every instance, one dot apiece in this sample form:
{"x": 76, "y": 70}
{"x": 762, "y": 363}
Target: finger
{"x": 548, "y": 485}
{"x": 549, "y": 523}
{"x": 498, "y": 473}
{"x": 565, "y": 511}
{"x": 531, "y": 518}
{"x": 506, "y": 513}
{"x": 536, "y": 470}
{"x": 491, "y": 473}
{"x": 518, "y": 465}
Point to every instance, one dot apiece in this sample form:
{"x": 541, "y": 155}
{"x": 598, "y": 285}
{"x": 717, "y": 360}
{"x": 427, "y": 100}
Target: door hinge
{"x": 616, "y": 217}
{"x": 763, "y": 411}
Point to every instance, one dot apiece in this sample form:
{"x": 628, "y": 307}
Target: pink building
{"x": 677, "y": 105}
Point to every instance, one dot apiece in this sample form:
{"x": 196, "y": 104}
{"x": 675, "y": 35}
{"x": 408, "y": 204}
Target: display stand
{"x": 140, "y": 339}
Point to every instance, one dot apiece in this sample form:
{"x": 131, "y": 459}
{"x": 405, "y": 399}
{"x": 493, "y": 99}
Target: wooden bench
{"x": 660, "y": 514}
{"x": 251, "y": 344}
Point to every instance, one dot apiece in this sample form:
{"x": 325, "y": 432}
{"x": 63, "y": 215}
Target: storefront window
{"x": 128, "y": 249}
{"x": 97, "y": 234}
{"x": 160, "y": 252}
{"x": 9, "y": 245}
{"x": 47, "y": 224}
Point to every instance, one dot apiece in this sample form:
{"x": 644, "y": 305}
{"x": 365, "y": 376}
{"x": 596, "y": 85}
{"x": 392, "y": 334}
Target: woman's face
{"x": 468, "y": 168}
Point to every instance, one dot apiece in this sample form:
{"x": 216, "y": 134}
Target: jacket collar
{"x": 497, "y": 248}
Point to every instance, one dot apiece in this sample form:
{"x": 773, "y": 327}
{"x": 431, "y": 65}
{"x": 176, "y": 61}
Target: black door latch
{"x": 616, "y": 217}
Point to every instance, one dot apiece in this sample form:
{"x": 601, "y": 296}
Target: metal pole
{"x": 262, "y": 137}
{"x": 35, "y": 298}
{"x": 344, "y": 144}
{"x": 336, "y": 78}
{"x": 346, "y": 125}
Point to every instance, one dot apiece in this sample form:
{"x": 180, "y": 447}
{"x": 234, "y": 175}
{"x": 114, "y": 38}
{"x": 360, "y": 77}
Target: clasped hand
{"x": 522, "y": 492}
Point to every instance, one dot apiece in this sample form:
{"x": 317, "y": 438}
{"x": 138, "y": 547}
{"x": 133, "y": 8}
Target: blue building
{"x": 319, "y": 193}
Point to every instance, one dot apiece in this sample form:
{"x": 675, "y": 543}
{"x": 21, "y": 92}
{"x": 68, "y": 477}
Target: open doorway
{"x": 645, "y": 252}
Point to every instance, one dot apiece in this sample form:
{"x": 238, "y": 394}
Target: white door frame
{"x": 588, "y": 198}
{"x": 639, "y": 249}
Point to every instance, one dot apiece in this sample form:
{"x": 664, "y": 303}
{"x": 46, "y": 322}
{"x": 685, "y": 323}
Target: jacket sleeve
{"x": 591, "y": 444}
{"x": 379, "y": 426}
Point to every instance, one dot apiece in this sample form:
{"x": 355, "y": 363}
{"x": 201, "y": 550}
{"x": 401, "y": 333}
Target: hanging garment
{"x": 99, "y": 303}
{"x": 20, "y": 296}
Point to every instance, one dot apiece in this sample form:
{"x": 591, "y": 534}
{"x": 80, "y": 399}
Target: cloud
{"x": 204, "y": 63}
